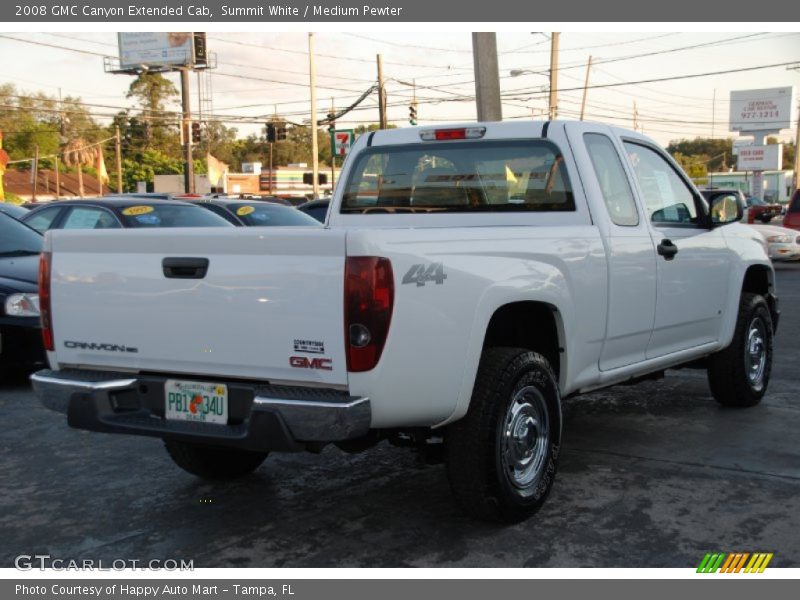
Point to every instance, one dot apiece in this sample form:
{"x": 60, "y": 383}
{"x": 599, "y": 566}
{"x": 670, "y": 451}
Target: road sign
{"x": 760, "y": 158}
{"x": 761, "y": 110}
{"x": 341, "y": 141}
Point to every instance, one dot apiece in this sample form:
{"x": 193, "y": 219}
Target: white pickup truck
{"x": 467, "y": 279}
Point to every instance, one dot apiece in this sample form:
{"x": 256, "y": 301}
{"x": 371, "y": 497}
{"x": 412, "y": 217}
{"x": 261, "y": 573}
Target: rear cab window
{"x": 484, "y": 176}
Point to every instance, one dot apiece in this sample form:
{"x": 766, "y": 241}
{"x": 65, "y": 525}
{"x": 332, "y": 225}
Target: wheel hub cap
{"x": 525, "y": 437}
{"x": 755, "y": 353}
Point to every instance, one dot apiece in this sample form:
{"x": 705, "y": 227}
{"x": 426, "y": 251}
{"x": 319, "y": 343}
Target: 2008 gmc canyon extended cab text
{"x": 467, "y": 279}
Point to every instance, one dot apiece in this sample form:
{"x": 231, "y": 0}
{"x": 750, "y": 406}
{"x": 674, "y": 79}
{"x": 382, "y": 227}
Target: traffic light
{"x": 412, "y": 113}
{"x": 197, "y": 134}
{"x": 272, "y": 134}
{"x": 331, "y": 123}
{"x": 280, "y": 132}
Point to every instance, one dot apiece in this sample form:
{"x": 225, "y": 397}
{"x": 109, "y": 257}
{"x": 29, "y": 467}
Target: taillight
{"x": 44, "y": 300}
{"x": 368, "y": 304}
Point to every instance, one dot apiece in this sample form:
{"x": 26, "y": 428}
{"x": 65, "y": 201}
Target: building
{"x": 777, "y": 184}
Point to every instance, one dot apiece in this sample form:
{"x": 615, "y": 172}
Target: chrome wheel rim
{"x": 525, "y": 438}
{"x": 755, "y": 353}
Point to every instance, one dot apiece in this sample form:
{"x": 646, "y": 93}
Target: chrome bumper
{"x": 261, "y": 416}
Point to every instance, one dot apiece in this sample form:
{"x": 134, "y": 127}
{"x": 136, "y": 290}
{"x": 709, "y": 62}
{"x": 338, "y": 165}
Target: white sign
{"x": 155, "y": 48}
{"x": 342, "y": 141}
{"x": 761, "y": 110}
{"x": 760, "y": 158}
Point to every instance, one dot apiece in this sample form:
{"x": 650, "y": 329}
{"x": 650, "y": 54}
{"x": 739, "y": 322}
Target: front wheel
{"x": 502, "y": 456}
{"x": 213, "y": 462}
{"x": 739, "y": 374}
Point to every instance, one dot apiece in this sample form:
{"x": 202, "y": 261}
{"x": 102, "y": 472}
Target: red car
{"x": 758, "y": 210}
{"x": 792, "y": 217}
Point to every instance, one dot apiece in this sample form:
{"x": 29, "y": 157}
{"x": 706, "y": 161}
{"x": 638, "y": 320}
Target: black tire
{"x": 478, "y": 449}
{"x": 213, "y": 462}
{"x": 732, "y": 376}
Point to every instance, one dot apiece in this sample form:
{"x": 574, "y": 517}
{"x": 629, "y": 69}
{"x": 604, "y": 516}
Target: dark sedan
{"x": 14, "y": 210}
{"x": 20, "y": 335}
{"x": 316, "y": 208}
{"x": 256, "y": 213}
{"x": 117, "y": 212}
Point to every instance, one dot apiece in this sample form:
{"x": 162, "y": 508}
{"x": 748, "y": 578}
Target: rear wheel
{"x": 213, "y": 462}
{"x": 739, "y": 374}
{"x": 502, "y": 456}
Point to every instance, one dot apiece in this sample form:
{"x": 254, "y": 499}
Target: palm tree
{"x": 77, "y": 153}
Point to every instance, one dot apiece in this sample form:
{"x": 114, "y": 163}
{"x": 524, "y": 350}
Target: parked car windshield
{"x": 254, "y": 214}
{"x": 17, "y": 239}
{"x": 170, "y": 215}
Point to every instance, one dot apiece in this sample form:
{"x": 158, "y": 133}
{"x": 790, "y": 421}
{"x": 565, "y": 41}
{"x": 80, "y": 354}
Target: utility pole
{"x": 635, "y": 117}
{"x": 381, "y": 95}
{"x": 586, "y": 87}
{"x": 271, "y": 175}
{"x": 333, "y": 147}
{"x": 312, "y": 76}
{"x": 797, "y": 152}
{"x": 58, "y": 180}
{"x": 188, "y": 164}
{"x": 118, "y": 157}
{"x": 553, "y": 102}
{"x": 35, "y": 172}
{"x": 487, "y": 76}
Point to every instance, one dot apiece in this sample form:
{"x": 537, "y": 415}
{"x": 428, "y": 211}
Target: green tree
{"x": 716, "y": 154}
{"x": 154, "y": 94}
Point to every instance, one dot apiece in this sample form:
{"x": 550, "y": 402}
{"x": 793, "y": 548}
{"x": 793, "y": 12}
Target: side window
{"x": 667, "y": 198}
{"x": 86, "y": 217}
{"x": 613, "y": 181}
{"x": 43, "y": 220}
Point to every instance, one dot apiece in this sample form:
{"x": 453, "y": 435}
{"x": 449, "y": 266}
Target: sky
{"x": 260, "y": 74}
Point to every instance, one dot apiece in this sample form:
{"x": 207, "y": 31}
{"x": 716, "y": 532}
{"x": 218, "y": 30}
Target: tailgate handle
{"x": 181, "y": 267}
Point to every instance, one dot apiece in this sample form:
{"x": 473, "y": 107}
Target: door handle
{"x": 179, "y": 267}
{"x": 667, "y": 249}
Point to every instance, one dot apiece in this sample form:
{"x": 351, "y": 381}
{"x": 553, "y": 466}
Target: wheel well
{"x": 757, "y": 281}
{"x": 530, "y": 325}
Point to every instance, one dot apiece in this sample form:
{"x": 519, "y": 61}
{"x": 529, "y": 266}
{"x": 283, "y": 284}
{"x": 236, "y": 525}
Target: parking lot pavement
{"x": 651, "y": 475}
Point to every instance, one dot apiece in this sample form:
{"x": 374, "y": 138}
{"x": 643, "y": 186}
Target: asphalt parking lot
{"x": 651, "y": 475}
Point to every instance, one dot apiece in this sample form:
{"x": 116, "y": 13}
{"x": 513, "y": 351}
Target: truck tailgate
{"x": 269, "y": 307}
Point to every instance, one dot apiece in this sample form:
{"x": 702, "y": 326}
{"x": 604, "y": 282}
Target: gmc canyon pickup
{"x": 468, "y": 278}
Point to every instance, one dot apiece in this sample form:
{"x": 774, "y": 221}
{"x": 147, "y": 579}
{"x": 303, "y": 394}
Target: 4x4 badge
{"x": 420, "y": 274}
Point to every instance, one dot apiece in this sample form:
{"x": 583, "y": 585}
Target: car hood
{"x": 19, "y": 274}
{"x": 774, "y": 230}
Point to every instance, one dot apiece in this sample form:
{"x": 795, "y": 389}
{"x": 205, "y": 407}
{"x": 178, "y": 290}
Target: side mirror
{"x": 725, "y": 209}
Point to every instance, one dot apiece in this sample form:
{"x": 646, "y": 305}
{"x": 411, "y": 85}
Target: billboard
{"x": 761, "y": 110}
{"x": 760, "y": 158}
{"x": 153, "y": 49}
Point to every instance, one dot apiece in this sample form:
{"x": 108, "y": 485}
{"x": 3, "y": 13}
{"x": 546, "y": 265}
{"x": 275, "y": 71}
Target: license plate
{"x": 196, "y": 401}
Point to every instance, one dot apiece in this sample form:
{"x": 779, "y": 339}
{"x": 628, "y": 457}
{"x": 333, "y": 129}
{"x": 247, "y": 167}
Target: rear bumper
{"x": 262, "y": 417}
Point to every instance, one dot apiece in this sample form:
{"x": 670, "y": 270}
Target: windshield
{"x": 17, "y": 239}
{"x": 170, "y": 215}
{"x": 483, "y": 176}
{"x": 260, "y": 215}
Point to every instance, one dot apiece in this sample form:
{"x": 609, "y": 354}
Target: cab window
{"x": 613, "y": 180}
{"x": 668, "y": 200}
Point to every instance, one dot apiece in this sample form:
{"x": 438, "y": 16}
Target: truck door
{"x": 629, "y": 247}
{"x": 692, "y": 262}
